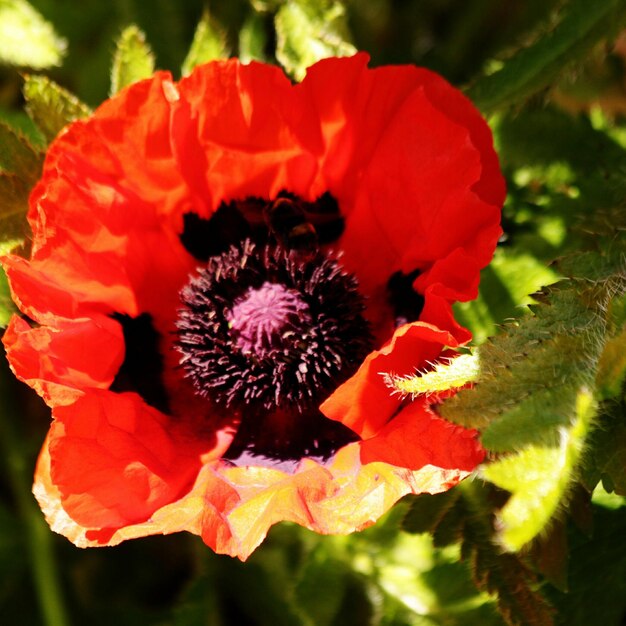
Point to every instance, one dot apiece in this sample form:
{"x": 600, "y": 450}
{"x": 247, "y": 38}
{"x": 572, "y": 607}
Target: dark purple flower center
{"x": 262, "y": 329}
{"x": 268, "y": 319}
{"x": 269, "y": 327}
{"x": 268, "y": 334}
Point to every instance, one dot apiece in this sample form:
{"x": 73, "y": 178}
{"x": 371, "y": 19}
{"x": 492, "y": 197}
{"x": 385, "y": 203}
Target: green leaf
{"x": 538, "y": 478}
{"x": 536, "y": 396}
{"x": 575, "y": 168}
{"x": 321, "y": 586}
{"x": 503, "y": 292}
{"x": 532, "y": 372}
{"x": 21, "y": 124}
{"x": 133, "y": 59}
{"x": 547, "y": 136}
{"x": 550, "y": 555}
{"x": 427, "y": 511}
{"x": 506, "y": 575}
{"x": 14, "y": 192}
{"x": 611, "y": 374}
{"x": 7, "y": 307}
{"x": 606, "y": 453}
{"x": 463, "y": 515}
{"x": 413, "y": 582}
{"x": 209, "y": 43}
{"x": 20, "y": 167}
{"x": 50, "y": 106}
{"x": 597, "y": 573}
{"x": 18, "y": 156}
{"x": 307, "y": 31}
{"x": 581, "y": 24}
{"x": 27, "y": 39}
{"x": 263, "y": 6}
{"x": 252, "y": 39}
{"x": 519, "y": 602}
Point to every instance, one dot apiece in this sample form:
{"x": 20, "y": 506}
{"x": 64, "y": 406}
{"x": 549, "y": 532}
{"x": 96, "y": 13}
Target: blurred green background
{"x": 559, "y": 127}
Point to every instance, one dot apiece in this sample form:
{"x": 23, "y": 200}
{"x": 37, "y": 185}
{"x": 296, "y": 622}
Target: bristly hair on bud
{"x": 446, "y": 375}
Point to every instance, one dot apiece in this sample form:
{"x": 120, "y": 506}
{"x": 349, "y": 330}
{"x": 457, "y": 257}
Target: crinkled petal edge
{"x": 233, "y": 508}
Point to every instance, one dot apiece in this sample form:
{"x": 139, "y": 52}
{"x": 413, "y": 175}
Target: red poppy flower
{"x": 221, "y": 270}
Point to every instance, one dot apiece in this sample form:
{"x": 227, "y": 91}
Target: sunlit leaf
{"x": 532, "y": 372}
{"x": 50, "y": 106}
{"x": 441, "y": 376}
{"x": 7, "y": 308}
{"x": 209, "y": 43}
{"x": 266, "y": 5}
{"x": 539, "y": 478}
{"x": 26, "y": 38}
{"x": 307, "y": 31}
{"x": 536, "y": 396}
{"x": 133, "y": 59}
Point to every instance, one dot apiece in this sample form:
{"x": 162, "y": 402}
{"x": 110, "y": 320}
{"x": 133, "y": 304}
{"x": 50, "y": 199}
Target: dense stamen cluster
{"x": 267, "y": 319}
{"x": 264, "y": 329}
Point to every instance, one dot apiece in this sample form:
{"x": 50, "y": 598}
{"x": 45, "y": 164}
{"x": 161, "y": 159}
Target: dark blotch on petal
{"x": 244, "y": 219}
{"x": 204, "y": 238}
{"x": 325, "y": 215}
{"x": 282, "y": 440}
{"x": 406, "y": 303}
{"x": 142, "y": 369}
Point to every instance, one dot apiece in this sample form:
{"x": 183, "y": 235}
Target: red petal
{"x": 454, "y": 277}
{"x": 364, "y": 402}
{"x": 103, "y": 215}
{"x": 51, "y": 287}
{"x": 194, "y": 512}
{"x": 116, "y": 461}
{"x": 412, "y": 164}
{"x": 62, "y": 361}
{"x": 438, "y": 312}
{"x": 417, "y": 437}
{"x": 242, "y": 130}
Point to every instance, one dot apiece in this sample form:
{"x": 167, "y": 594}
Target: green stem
{"x": 38, "y": 535}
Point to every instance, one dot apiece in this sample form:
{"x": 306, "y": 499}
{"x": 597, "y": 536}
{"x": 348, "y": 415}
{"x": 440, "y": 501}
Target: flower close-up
{"x": 224, "y": 272}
